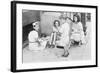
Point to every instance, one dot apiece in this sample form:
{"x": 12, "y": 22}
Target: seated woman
{"x": 55, "y": 34}
{"x": 77, "y": 30}
{"x": 35, "y": 43}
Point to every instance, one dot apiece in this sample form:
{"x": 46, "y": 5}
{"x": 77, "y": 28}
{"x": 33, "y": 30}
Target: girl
{"x": 33, "y": 37}
{"x": 77, "y": 33}
{"x": 55, "y": 34}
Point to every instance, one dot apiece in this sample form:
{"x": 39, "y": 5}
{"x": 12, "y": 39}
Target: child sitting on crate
{"x": 55, "y": 34}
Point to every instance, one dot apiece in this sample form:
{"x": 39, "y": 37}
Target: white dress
{"x": 33, "y": 44}
{"x": 78, "y": 33}
{"x": 64, "y": 30}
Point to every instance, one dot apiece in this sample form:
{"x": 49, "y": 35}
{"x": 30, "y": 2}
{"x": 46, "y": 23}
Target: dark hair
{"x": 32, "y": 24}
{"x": 55, "y": 22}
{"x": 78, "y": 18}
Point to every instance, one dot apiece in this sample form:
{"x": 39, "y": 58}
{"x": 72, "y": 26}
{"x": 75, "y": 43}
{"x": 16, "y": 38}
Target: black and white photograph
{"x": 54, "y": 36}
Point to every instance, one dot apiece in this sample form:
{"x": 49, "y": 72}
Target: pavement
{"x": 82, "y": 52}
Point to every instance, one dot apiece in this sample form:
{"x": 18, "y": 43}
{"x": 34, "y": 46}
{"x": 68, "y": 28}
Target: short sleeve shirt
{"x": 33, "y": 35}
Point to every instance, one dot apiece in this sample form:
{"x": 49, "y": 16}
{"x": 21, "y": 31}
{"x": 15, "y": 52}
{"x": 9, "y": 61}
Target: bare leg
{"x": 50, "y": 41}
{"x": 66, "y": 48}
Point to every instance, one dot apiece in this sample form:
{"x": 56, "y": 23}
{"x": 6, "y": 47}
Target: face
{"x": 75, "y": 19}
{"x": 68, "y": 20}
{"x": 36, "y": 27}
{"x": 57, "y": 24}
{"x": 63, "y": 21}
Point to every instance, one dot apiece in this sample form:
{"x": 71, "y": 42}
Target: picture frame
{"x": 17, "y": 9}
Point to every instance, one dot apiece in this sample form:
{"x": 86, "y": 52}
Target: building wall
{"x": 29, "y": 16}
{"x": 47, "y": 19}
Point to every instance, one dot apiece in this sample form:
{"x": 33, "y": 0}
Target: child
{"x": 55, "y": 33}
{"x": 33, "y": 37}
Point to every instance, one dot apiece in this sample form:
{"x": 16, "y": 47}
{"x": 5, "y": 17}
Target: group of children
{"x": 62, "y": 35}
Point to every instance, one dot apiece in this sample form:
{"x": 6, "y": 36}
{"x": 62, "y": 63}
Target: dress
{"x": 33, "y": 43}
{"x": 64, "y": 30}
{"x": 78, "y": 33}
